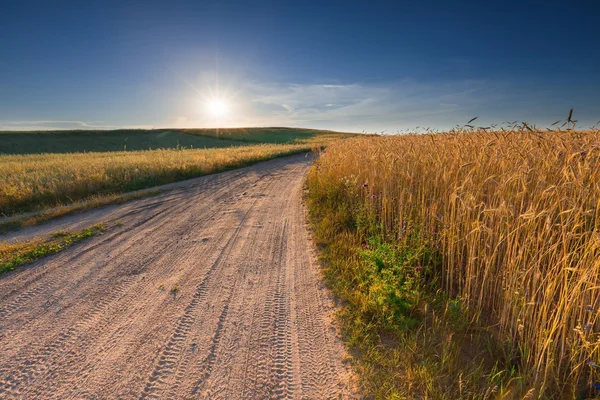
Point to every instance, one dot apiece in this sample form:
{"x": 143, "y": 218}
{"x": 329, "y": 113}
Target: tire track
{"x": 174, "y": 348}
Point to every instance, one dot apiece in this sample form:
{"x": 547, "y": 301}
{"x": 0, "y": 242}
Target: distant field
{"x": 36, "y": 173}
{"x": 99, "y": 141}
{"x": 37, "y": 181}
{"x": 138, "y": 139}
{"x": 265, "y": 135}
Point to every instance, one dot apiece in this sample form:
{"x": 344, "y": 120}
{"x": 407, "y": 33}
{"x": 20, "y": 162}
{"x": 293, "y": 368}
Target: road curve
{"x": 251, "y": 318}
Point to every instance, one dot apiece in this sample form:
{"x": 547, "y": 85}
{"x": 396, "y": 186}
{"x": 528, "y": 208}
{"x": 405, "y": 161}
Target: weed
{"x": 21, "y": 221}
{"x": 16, "y": 254}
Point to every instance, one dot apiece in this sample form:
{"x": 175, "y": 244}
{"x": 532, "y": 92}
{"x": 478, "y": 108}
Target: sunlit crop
{"x": 512, "y": 216}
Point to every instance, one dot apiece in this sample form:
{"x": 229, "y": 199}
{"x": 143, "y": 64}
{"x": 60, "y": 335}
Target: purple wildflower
{"x": 365, "y": 246}
{"x": 365, "y": 185}
{"x": 373, "y": 196}
{"x": 587, "y": 326}
{"x": 418, "y": 268}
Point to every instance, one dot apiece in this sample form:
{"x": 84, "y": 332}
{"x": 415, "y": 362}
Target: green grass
{"x": 102, "y": 141}
{"x": 38, "y": 142}
{"x": 267, "y": 135}
{"x": 17, "y": 254}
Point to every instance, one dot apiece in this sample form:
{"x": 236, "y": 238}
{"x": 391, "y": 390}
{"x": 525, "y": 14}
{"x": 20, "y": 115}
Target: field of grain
{"x": 49, "y": 168}
{"x": 29, "y": 182}
{"x": 505, "y": 223}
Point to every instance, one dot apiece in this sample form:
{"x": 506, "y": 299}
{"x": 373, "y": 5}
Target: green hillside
{"x": 37, "y": 142}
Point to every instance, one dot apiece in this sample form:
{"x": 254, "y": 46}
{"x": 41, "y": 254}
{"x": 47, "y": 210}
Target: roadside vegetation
{"x": 38, "y": 217}
{"x": 467, "y": 262}
{"x": 17, "y": 254}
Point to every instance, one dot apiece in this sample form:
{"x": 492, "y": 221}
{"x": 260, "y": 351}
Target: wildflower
{"x": 365, "y": 246}
{"x": 365, "y": 185}
{"x": 596, "y": 385}
{"x": 590, "y": 308}
{"x": 373, "y": 196}
{"x": 418, "y": 268}
{"x": 437, "y": 246}
{"x": 395, "y": 246}
{"x": 399, "y": 238}
{"x": 587, "y": 326}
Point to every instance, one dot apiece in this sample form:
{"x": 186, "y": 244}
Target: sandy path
{"x": 251, "y": 319}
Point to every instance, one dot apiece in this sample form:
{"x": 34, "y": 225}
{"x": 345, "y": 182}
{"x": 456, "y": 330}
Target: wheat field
{"x": 514, "y": 217}
{"x": 35, "y": 181}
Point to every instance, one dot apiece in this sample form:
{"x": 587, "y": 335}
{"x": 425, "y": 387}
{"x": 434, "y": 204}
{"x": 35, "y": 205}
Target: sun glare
{"x": 217, "y": 108}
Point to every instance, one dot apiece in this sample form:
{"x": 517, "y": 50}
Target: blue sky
{"x": 344, "y": 65}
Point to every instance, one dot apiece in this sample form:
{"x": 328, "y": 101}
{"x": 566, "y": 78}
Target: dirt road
{"x": 210, "y": 291}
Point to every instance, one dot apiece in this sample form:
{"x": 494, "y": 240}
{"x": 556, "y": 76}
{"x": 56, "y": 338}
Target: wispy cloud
{"x": 392, "y": 106}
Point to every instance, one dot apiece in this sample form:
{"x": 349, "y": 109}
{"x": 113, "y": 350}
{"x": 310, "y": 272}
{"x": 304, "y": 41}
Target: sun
{"x": 217, "y": 107}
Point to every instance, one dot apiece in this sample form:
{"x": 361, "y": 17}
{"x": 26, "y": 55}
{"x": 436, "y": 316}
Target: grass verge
{"x": 17, "y": 254}
{"x": 10, "y": 224}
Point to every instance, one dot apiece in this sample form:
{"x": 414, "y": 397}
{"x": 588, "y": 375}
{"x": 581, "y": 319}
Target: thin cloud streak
{"x": 372, "y": 107}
